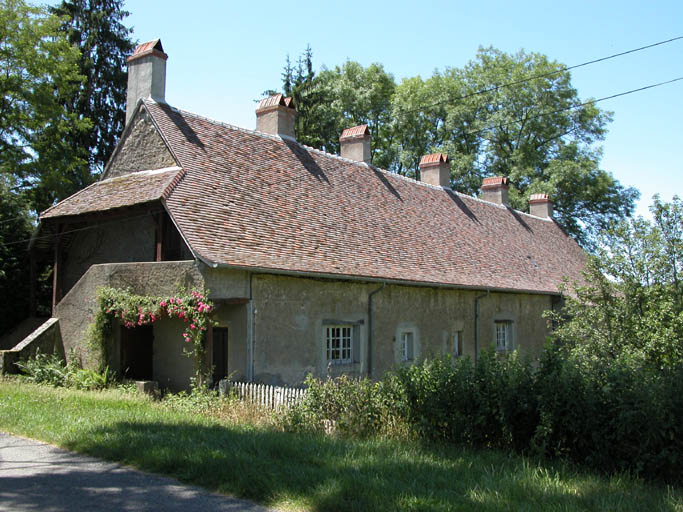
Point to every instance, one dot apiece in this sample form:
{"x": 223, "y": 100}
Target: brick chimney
{"x": 435, "y": 169}
{"x": 355, "y": 143}
{"x": 495, "y": 190}
{"x": 276, "y": 115}
{"x": 540, "y": 205}
{"x": 146, "y": 75}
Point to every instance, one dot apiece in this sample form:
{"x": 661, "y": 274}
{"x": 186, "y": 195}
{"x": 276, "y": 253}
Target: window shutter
{"x": 355, "y": 343}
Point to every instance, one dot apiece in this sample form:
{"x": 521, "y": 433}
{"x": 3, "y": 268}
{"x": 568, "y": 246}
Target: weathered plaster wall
{"x": 172, "y": 368}
{"x": 234, "y": 317}
{"x": 288, "y": 321}
{"x": 45, "y": 338}
{"x": 127, "y": 240}
{"x": 76, "y": 309}
{"x": 142, "y": 149}
{"x": 289, "y": 314}
{"x": 225, "y": 283}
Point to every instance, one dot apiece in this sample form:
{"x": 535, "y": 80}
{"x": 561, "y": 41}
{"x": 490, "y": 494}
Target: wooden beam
{"x": 56, "y": 273}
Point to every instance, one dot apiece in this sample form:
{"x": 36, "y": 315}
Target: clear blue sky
{"x": 222, "y": 55}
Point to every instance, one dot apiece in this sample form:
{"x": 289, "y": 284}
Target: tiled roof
{"x": 136, "y": 188}
{"x": 433, "y": 159}
{"x": 148, "y": 48}
{"x": 252, "y": 200}
{"x": 356, "y": 132}
{"x": 275, "y": 101}
{"x": 494, "y": 182}
{"x": 538, "y": 198}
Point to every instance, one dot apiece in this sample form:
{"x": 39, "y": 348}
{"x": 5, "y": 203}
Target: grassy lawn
{"x": 299, "y": 472}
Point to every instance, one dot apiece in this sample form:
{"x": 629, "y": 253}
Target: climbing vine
{"x": 136, "y": 310}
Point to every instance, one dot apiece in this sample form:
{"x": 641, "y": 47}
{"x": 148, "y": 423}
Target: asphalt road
{"x": 38, "y": 476}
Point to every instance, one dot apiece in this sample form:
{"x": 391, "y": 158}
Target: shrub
{"x": 51, "y": 369}
{"x": 610, "y": 416}
{"x": 44, "y": 369}
{"x": 356, "y": 407}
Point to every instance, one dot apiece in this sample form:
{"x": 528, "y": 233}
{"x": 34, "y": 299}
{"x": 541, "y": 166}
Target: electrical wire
{"x": 544, "y": 75}
{"x": 85, "y": 228}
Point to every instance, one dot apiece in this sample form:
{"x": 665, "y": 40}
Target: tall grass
{"x": 213, "y": 444}
{"x": 608, "y": 417}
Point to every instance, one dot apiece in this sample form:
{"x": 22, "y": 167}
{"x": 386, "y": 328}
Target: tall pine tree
{"x": 96, "y": 28}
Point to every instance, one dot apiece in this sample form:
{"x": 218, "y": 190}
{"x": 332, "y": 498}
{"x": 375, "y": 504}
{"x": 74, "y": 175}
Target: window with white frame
{"x": 457, "y": 344}
{"x": 339, "y": 342}
{"x": 503, "y": 335}
{"x": 407, "y": 340}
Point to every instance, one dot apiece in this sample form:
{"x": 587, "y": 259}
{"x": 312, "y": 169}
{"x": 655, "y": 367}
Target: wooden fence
{"x": 272, "y": 397}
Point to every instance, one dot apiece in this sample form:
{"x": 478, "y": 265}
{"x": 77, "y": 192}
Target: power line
{"x": 589, "y": 102}
{"x": 544, "y": 75}
{"x": 85, "y": 228}
{"x": 269, "y": 184}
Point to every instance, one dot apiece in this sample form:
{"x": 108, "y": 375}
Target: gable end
{"x": 140, "y": 149}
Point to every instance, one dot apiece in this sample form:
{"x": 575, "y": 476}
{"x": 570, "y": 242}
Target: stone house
{"x": 318, "y": 263}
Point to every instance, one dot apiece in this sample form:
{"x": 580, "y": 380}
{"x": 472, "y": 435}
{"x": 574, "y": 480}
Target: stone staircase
{"x": 45, "y": 337}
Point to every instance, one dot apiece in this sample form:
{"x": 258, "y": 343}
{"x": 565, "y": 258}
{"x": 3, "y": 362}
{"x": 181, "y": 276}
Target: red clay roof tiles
{"x": 255, "y": 201}
{"x": 433, "y": 159}
{"x": 538, "y": 198}
{"x": 251, "y": 200}
{"x": 127, "y": 190}
{"x": 148, "y": 48}
{"x": 356, "y": 132}
{"x": 494, "y": 182}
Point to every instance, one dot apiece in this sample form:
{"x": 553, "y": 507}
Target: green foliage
{"x": 15, "y": 229}
{"x": 95, "y": 28}
{"x": 136, "y": 310}
{"x": 537, "y": 132}
{"x": 288, "y": 472}
{"x": 610, "y": 417}
{"x": 35, "y": 61}
{"x": 357, "y": 407}
{"x": 630, "y": 307}
{"x": 51, "y": 369}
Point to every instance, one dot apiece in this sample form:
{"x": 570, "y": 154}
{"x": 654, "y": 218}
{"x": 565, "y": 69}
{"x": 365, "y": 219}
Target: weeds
{"x": 51, "y": 369}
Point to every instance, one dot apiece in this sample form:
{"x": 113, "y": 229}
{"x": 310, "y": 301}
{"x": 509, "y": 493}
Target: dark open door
{"x": 220, "y": 353}
{"x": 136, "y": 352}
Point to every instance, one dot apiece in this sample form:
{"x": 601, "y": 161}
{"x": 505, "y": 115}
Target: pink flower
{"x": 192, "y": 326}
{"x": 163, "y": 303}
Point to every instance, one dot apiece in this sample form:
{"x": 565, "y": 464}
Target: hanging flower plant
{"x": 132, "y": 310}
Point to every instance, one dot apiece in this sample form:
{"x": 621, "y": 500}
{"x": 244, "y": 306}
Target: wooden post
{"x": 56, "y": 274}
{"x": 160, "y": 228}
{"x": 33, "y": 303}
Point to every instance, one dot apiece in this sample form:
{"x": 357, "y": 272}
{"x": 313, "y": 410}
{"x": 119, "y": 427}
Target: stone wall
{"x": 76, "y": 310}
{"x": 142, "y": 149}
{"x": 290, "y": 313}
{"x": 45, "y": 338}
{"x": 120, "y": 241}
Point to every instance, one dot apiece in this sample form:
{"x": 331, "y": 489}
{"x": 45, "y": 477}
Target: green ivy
{"x": 136, "y": 310}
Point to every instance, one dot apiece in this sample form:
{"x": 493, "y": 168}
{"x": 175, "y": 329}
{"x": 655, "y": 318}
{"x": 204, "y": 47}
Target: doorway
{"x": 137, "y": 352}
{"x": 219, "y": 358}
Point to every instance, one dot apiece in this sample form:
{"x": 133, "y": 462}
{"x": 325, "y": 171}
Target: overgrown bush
{"x": 53, "y": 370}
{"x": 610, "y": 417}
{"x": 358, "y": 407}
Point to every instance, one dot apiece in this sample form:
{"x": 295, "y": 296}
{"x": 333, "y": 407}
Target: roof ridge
{"x": 146, "y": 172}
{"x": 338, "y": 157}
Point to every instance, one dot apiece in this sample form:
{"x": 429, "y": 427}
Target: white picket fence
{"x": 271, "y": 397}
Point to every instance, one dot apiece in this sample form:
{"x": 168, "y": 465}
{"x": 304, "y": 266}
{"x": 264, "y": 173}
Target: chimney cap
{"x": 495, "y": 182}
{"x": 277, "y": 100}
{"x": 433, "y": 159}
{"x": 539, "y": 198}
{"x": 356, "y": 132}
{"x": 148, "y": 48}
